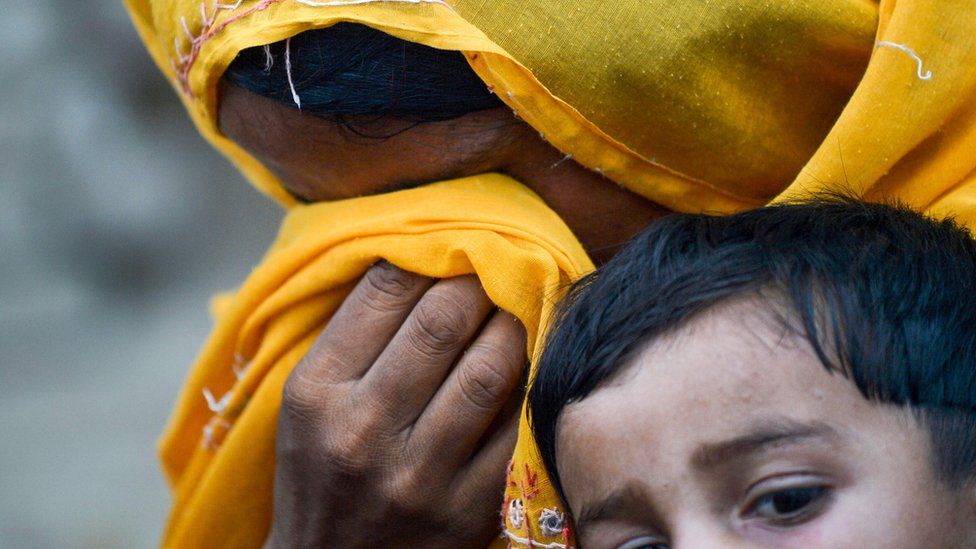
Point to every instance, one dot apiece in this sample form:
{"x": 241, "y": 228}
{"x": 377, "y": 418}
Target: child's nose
{"x": 706, "y": 533}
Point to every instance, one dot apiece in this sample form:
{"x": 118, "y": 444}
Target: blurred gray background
{"x": 117, "y": 222}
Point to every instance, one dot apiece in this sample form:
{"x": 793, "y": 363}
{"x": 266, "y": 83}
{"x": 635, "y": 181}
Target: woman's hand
{"x": 396, "y": 427}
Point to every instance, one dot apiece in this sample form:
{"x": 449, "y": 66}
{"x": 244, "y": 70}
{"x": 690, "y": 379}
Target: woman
{"x": 689, "y": 108}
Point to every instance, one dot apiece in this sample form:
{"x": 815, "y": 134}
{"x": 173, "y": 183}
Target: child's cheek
{"x": 812, "y": 535}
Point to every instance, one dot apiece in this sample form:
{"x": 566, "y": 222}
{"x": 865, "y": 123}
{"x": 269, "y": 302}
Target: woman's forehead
{"x": 319, "y": 158}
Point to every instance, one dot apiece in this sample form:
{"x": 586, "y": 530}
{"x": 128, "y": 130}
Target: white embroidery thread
{"x": 552, "y": 522}
{"x": 209, "y": 27}
{"x": 291, "y": 83}
{"x": 927, "y": 75}
{"x": 532, "y": 543}
{"x": 516, "y": 513}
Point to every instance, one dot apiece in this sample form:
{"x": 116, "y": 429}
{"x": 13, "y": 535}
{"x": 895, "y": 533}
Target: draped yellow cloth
{"x": 699, "y": 106}
{"x": 218, "y": 452}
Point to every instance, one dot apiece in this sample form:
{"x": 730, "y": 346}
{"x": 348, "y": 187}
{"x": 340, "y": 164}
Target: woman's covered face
{"x": 317, "y": 159}
{"x": 731, "y": 433}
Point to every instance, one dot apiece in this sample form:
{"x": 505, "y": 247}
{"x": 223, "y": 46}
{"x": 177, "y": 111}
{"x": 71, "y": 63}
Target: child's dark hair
{"x": 885, "y": 296}
{"x": 351, "y": 70}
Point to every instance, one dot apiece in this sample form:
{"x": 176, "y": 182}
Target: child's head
{"x": 794, "y": 376}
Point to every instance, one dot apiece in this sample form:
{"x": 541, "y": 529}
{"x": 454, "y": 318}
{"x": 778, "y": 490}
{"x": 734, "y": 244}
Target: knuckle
{"x": 318, "y": 368}
{"x": 343, "y": 439}
{"x": 385, "y": 286}
{"x": 485, "y": 380}
{"x": 439, "y": 325}
{"x": 301, "y": 398}
{"x": 503, "y": 356}
{"x": 406, "y": 493}
{"x": 348, "y": 453}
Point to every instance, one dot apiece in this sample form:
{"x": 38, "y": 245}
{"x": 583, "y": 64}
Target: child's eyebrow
{"x": 765, "y": 434}
{"x": 613, "y": 505}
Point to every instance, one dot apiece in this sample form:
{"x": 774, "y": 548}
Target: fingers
{"x": 414, "y": 364}
{"x": 486, "y": 380}
{"x": 481, "y": 482}
{"x": 345, "y": 461}
{"x": 363, "y": 325}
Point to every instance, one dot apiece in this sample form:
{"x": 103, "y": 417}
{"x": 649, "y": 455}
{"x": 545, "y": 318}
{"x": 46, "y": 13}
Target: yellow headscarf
{"x": 699, "y": 106}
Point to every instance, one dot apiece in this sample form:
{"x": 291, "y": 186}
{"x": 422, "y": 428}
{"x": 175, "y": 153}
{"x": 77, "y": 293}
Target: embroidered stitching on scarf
{"x": 211, "y": 437}
{"x": 217, "y": 406}
{"x": 209, "y": 27}
{"x": 561, "y": 160}
{"x": 552, "y": 522}
{"x": 530, "y": 481}
{"x": 240, "y": 369}
{"x": 221, "y": 422}
{"x": 516, "y": 513}
{"x": 291, "y": 83}
{"x": 268, "y": 58}
{"x": 512, "y": 536}
{"x": 921, "y": 76}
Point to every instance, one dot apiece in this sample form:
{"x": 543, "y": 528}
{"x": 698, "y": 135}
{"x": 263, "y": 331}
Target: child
{"x": 801, "y": 375}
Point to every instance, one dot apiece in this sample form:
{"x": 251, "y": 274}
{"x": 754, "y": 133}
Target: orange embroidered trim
{"x": 209, "y": 27}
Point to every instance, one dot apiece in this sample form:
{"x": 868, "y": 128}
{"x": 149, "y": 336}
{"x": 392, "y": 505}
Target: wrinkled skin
{"x": 405, "y": 429}
{"x": 390, "y": 432}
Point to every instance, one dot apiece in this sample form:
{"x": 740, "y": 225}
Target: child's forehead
{"x": 725, "y": 376}
{"x": 747, "y": 335}
{"x": 722, "y": 370}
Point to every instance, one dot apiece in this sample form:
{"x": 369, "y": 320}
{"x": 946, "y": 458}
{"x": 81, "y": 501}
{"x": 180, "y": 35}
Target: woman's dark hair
{"x": 884, "y": 295}
{"x": 350, "y": 70}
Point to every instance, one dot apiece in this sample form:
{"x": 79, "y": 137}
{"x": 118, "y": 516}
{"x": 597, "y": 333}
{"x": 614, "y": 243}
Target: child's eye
{"x": 644, "y": 543}
{"x": 789, "y": 505}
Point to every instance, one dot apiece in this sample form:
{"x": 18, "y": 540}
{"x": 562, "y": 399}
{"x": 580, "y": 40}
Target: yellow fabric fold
{"x": 909, "y": 130}
{"x": 693, "y": 106}
{"x": 699, "y": 106}
{"x": 218, "y": 451}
